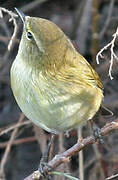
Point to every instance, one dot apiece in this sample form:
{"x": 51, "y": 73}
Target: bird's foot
{"x": 97, "y": 135}
{"x": 41, "y": 169}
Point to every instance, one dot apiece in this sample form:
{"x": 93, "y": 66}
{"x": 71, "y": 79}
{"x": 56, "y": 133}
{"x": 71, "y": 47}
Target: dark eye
{"x": 29, "y": 36}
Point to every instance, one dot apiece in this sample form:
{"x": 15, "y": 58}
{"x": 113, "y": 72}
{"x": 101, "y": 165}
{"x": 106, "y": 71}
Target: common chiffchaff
{"x": 55, "y": 87}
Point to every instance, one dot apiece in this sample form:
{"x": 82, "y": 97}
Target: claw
{"x": 97, "y": 135}
{"x": 41, "y": 168}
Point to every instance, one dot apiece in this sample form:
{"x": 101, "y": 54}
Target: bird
{"x": 53, "y": 84}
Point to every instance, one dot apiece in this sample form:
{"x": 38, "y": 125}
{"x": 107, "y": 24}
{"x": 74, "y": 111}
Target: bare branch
{"x": 64, "y": 157}
{"x": 81, "y": 156}
{"x": 7, "y": 150}
{"x": 12, "y": 19}
{"x": 113, "y": 177}
{"x": 13, "y": 126}
{"x": 19, "y": 141}
{"x": 113, "y": 55}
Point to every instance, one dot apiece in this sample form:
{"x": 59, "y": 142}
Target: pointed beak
{"x": 21, "y": 15}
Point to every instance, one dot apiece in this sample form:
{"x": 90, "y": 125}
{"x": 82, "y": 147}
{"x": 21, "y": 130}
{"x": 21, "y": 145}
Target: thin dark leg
{"x": 47, "y": 152}
{"x": 45, "y": 156}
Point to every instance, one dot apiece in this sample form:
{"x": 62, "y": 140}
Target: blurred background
{"x": 90, "y": 25}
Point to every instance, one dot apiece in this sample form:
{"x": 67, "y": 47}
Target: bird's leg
{"x": 96, "y": 131}
{"x": 45, "y": 156}
{"x": 47, "y": 152}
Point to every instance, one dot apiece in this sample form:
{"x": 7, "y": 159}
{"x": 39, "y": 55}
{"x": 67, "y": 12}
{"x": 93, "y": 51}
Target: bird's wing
{"x": 78, "y": 71}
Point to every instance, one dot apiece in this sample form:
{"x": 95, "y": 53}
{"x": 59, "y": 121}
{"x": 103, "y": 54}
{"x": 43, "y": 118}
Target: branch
{"x": 65, "y": 156}
{"x": 18, "y": 141}
{"x": 12, "y": 19}
{"x": 12, "y": 127}
{"x": 113, "y": 177}
{"x": 7, "y": 150}
{"x": 113, "y": 55}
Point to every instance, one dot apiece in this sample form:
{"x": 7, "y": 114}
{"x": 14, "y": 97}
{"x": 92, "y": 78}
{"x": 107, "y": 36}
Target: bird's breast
{"x": 50, "y": 106}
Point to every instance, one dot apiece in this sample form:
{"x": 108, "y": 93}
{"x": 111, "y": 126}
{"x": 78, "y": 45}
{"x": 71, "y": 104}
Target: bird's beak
{"x": 21, "y": 15}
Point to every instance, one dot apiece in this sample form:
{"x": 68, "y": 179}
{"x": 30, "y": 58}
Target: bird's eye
{"x": 29, "y": 35}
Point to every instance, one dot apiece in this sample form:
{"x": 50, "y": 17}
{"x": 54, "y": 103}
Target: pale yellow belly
{"x": 51, "y": 110}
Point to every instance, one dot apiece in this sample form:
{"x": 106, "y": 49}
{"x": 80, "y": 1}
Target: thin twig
{"x": 7, "y": 150}
{"x": 19, "y": 141}
{"x": 13, "y": 38}
{"x": 113, "y": 177}
{"x": 6, "y": 130}
{"x": 112, "y": 56}
{"x": 81, "y": 160}
{"x": 12, "y": 14}
{"x": 5, "y": 63}
{"x": 12, "y": 19}
{"x": 64, "y": 157}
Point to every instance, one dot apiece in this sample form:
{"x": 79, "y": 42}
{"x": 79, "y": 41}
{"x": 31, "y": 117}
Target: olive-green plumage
{"x": 53, "y": 84}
